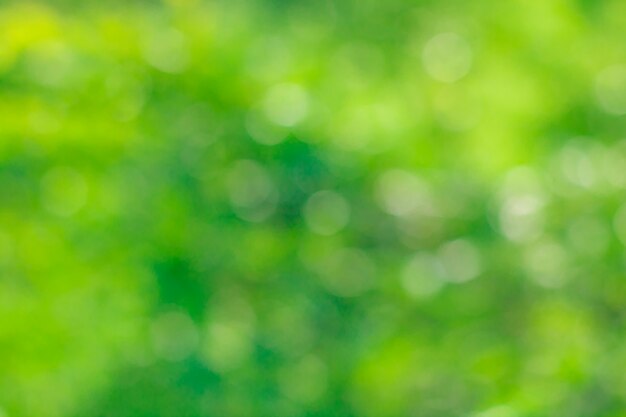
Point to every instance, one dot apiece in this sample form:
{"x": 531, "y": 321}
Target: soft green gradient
{"x": 333, "y": 208}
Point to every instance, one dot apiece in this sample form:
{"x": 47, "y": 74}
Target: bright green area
{"x": 313, "y": 208}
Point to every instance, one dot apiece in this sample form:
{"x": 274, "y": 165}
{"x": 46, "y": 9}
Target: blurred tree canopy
{"x": 291, "y": 208}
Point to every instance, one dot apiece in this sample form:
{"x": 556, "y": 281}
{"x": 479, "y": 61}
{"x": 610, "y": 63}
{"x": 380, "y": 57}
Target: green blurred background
{"x": 289, "y": 208}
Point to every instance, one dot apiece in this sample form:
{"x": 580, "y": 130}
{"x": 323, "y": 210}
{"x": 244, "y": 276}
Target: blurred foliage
{"x": 334, "y": 208}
